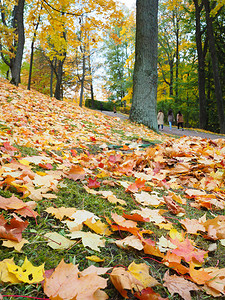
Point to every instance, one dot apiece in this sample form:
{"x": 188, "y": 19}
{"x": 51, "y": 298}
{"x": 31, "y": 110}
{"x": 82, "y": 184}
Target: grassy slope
{"x": 35, "y": 123}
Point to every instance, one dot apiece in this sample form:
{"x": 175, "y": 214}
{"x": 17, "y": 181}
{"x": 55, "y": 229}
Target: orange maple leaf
{"x": 66, "y": 283}
{"x": 12, "y": 231}
{"x": 76, "y": 173}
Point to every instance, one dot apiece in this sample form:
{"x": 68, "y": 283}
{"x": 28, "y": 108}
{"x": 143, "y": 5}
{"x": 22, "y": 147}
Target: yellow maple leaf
{"x": 141, "y": 272}
{"x": 5, "y": 275}
{"x": 14, "y": 244}
{"x": 98, "y": 227}
{"x": 61, "y": 212}
{"x": 27, "y": 273}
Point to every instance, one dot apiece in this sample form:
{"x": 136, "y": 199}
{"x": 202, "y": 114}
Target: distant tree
{"x": 143, "y": 109}
{"x": 116, "y": 54}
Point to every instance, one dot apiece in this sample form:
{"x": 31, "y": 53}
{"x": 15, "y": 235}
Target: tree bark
{"x": 83, "y": 78}
{"x": 201, "y": 68}
{"x": 19, "y": 26}
{"x": 32, "y": 53}
{"x": 58, "y": 87}
{"x": 143, "y": 109}
{"x": 215, "y": 67}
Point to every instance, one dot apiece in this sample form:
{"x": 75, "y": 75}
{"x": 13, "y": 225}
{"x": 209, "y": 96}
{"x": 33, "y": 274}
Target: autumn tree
{"x": 143, "y": 109}
{"x": 13, "y": 38}
{"x": 215, "y": 65}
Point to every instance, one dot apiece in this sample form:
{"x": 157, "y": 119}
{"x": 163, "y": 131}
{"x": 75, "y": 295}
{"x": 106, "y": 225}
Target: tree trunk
{"x": 17, "y": 61}
{"x": 215, "y": 67}
{"x": 201, "y": 69}
{"x": 177, "y": 57}
{"x": 143, "y": 109}
{"x": 59, "y": 75}
{"x": 82, "y": 79}
{"x": 32, "y": 53}
{"x": 171, "y": 77}
{"x": 51, "y": 78}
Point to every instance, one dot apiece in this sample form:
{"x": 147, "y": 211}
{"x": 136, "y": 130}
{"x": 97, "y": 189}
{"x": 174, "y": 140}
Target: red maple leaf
{"x": 93, "y": 183}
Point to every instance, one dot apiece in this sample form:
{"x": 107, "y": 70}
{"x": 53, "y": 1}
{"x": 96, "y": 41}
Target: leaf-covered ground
{"x": 93, "y": 207}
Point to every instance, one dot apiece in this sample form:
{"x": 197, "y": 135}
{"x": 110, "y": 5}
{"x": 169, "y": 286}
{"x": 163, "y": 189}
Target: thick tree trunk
{"x": 143, "y": 109}
{"x": 17, "y": 61}
{"x": 201, "y": 69}
{"x": 215, "y": 67}
{"x": 58, "y": 86}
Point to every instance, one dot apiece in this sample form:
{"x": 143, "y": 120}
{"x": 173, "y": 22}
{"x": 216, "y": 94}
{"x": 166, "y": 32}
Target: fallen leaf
{"x": 199, "y": 276}
{"x": 57, "y": 241}
{"x": 98, "y": 227}
{"x": 14, "y": 244}
{"x": 61, "y": 212}
{"x": 65, "y": 283}
{"x": 179, "y": 285}
{"x": 89, "y": 239}
{"x": 27, "y": 272}
{"x": 141, "y": 272}
{"x": 95, "y": 258}
{"x": 5, "y": 275}
{"x": 130, "y": 241}
{"x": 76, "y": 173}
{"x": 123, "y": 280}
{"x": 148, "y": 294}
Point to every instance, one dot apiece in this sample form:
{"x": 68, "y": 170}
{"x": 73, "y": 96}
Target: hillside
{"x": 93, "y": 207}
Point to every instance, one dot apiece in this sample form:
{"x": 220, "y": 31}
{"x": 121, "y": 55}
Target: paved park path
{"x": 174, "y": 131}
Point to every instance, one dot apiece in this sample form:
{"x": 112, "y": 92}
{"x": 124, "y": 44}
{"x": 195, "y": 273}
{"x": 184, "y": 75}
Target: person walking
{"x": 180, "y": 120}
{"x": 160, "y": 119}
{"x": 170, "y": 118}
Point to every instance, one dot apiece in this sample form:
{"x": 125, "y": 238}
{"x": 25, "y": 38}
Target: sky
{"x": 129, "y": 3}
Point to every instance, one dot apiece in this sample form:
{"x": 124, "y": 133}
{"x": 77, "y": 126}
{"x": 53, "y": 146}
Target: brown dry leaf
{"x": 61, "y": 212}
{"x": 173, "y": 207}
{"x": 65, "y": 283}
{"x": 215, "y": 286}
{"x": 216, "y": 228}
{"x": 179, "y": 285}
{"x": 123, "y": 280}
{"x": 192, "y": 225}
{"x": 130, "y": 241}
